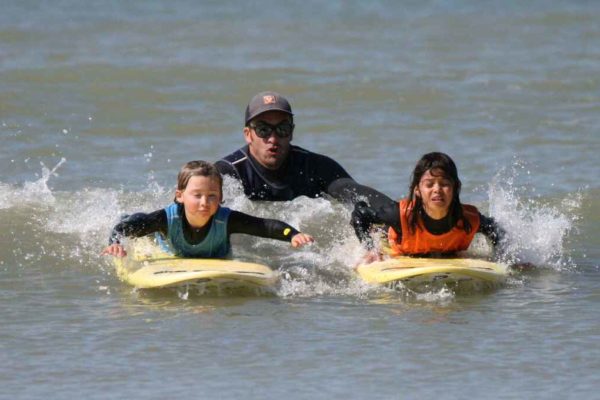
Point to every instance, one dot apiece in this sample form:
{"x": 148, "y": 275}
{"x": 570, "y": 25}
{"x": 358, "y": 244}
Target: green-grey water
{"x": 102, "y": 102}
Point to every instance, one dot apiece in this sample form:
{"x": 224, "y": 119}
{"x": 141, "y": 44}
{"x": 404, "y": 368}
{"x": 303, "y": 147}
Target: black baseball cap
{"x": 267, "y": 101}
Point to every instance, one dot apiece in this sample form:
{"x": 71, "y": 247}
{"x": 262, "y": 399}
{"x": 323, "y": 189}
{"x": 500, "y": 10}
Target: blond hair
{"x": 198, "y": 168}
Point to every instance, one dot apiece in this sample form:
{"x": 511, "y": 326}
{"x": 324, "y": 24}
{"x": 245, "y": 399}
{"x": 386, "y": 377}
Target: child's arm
{"x": 490, "y": 228}
{"x": 136, "y": 225}
{"x": 494, "y": 232}
{"x": 268, "y": 228}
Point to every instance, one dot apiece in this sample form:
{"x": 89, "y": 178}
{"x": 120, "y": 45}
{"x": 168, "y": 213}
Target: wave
{"x": 74, "y": 226}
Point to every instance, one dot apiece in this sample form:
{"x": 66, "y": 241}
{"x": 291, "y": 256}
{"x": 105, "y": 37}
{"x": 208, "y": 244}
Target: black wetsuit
{"x": 303, "y": 174}
{"x": 364, "y": 217}
{"x": 141, "y": 224}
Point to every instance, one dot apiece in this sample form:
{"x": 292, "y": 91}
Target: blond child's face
{"x": 436, "y": 192}
{"x": 200, "y": 198}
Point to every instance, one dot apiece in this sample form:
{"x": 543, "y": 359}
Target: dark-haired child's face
{"x": 200, "y": 198}
{"x": 436, "y": 191}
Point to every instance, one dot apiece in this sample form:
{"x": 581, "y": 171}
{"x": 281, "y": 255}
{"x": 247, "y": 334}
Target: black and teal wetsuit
{"x": 141, "y": 224}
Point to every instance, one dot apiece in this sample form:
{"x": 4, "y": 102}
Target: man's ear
{"x": 247, "y": 135}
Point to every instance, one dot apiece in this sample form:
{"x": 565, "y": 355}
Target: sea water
{"x": 101, "y": 103}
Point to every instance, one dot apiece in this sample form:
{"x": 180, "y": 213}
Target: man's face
{"x": 271, "y": 151}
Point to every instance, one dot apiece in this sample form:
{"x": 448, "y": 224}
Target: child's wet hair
{"x": 198, "y": 168}
{"x": 439, "y": 164}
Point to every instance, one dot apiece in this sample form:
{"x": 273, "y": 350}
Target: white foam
{"x": 6, "y": 196}
{"x": 33, "y": 193}
{"x": 536, "y": 229}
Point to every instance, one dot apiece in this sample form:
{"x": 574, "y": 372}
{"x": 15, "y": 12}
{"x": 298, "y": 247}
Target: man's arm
{"x": 347, "y": 190}
{"x": 364, "y": 217}
{"x": 341, "y": 186}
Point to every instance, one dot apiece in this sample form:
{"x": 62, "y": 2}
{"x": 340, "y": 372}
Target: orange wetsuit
{"x": 422, "y": 241}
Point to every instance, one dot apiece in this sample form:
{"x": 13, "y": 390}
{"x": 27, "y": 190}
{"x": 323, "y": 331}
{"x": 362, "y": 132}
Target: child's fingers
{"x": 301, "y": 239}
{"x": 108, "y": 251}
{"x": 371, "y": 256}
{"x": 115, "y": 250}
{"x": 306, "y": 238}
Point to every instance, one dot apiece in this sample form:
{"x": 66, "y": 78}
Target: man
{"x": 272, "y": 169}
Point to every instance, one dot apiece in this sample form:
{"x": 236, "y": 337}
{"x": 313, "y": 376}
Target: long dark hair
{"x": 438, "y": 164}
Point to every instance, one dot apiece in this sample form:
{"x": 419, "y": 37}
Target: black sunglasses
{"x": 264, "y": 130}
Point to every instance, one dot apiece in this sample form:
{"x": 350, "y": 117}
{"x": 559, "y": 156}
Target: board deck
{"x": 426, "y": 270}
{"x": 146, "y": 267}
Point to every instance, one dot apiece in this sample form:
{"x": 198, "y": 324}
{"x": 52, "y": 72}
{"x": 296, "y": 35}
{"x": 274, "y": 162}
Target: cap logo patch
{"x": 269, "y": 99}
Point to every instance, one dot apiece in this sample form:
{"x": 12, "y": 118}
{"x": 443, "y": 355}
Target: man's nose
{"x": 273, "y": 137}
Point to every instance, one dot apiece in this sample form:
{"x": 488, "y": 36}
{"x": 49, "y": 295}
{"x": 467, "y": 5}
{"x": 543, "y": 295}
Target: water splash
{"x": 69, "y": 226}
{"x": 536, "y": 227}
{"x": 74, "y": 226}
{"x": 37, "y": 192}
{"x": 6, "y": 194}
{"x": 40, "y": 187}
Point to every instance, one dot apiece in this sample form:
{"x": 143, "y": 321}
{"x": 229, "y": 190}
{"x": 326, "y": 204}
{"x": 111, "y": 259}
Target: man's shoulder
{"x": 237, "y": 156}
{"x": 230, "y": 164}
{"x": 301, "y": 150}
{"x": 298, "y": 151}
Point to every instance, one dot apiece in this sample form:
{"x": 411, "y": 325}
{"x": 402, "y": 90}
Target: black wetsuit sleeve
{"x": 139, "y": 224}
{"x": 347, "y": 190}
{"x": 268, "y": 228}
{"x": 491, "y": 229}
{"x": 364, "y": 217}
{"x": 328, "y": 169}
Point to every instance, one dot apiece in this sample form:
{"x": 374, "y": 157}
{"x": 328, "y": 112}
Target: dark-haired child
{"x": 431, "y": 221}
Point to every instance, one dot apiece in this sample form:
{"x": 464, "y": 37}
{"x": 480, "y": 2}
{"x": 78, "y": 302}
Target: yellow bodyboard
{"x": 423, "y": 270}
{"x": 146, "y": 266}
